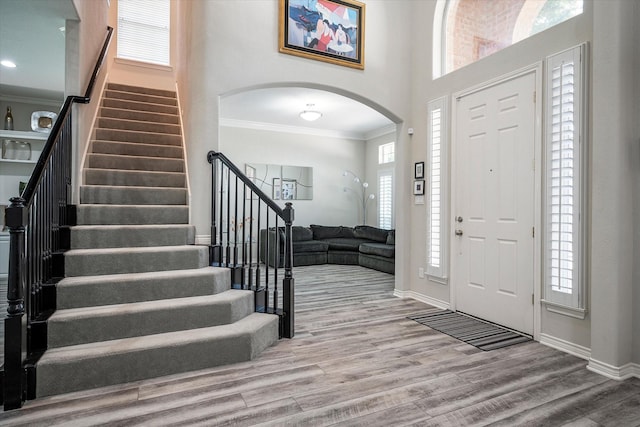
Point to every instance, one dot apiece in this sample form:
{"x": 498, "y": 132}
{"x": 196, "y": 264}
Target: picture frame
{"x": 324, "y": 30}
{"x": 418, "y": 187}
{"x": 289, "y": 189}
{"x": 419, "y": 170}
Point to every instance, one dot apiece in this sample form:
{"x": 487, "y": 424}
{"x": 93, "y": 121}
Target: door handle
{"x": 458, "y": 232}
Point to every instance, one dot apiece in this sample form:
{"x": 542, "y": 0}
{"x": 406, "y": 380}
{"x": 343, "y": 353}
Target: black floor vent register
{"x": 481, "y": 334}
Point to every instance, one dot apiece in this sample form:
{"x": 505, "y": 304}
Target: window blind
{"x": 435, "y": 190}
{"x": 563, "y": 176}
{"x": 144, "y": 30}
{"x": 385, "y": 200}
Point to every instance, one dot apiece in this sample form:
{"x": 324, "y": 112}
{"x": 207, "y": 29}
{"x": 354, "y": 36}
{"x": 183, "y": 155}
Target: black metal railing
{"x": 38, "y": 222}
{"x": 251, "y": 235}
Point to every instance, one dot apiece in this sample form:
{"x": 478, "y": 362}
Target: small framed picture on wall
{"x": 419, "y": 170}
{"x": 418, "y": 187}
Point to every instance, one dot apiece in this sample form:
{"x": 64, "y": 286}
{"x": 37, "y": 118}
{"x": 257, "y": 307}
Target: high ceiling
{"x": 31, "y": 36}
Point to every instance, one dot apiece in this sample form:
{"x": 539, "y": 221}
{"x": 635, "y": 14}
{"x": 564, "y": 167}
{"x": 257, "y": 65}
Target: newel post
{"x": 215, "y": 248}
{"x": 16, "y": 217}
{"x": 288, "y": 282}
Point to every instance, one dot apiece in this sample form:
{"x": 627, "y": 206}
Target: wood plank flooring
{"x": 357, "y": 361}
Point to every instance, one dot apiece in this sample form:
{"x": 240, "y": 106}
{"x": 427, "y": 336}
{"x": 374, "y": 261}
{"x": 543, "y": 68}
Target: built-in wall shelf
{"x": 23, "y": 135}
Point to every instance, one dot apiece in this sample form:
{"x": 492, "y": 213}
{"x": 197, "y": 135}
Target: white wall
{"x": 328, "y": 157}
{"x": 84, "y": 41}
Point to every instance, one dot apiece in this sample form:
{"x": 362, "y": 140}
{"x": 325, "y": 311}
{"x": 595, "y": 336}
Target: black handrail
{"x": 38, "y": 223}
{"x": 229, "y": 198}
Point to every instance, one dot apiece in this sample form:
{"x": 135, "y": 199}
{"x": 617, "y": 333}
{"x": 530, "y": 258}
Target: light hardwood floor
{"x": 357, "y": 361}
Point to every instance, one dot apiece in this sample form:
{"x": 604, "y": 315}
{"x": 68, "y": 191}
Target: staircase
{"x": 139, "y": 299}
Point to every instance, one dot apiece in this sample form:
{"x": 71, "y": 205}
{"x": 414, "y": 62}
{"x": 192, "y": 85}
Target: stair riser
{"x": 127, "y": 237}
{"x": 122, "y": 215}
{"x": 73, "y": 374}
{"x": 135, "y": 106}
{"x": 122, "y": 289}
{"x": 130, "y": 96}
{"x": 106, "y": 161}
{"x": 141, "y": 116}
{"x": 135, "y": 262}
{"x": 122, "y": 322}
{"x": 134, "y": 178}
{"x": 136, "y": 149}
{"x": 107, "y": 123}
{"x": 141, "y": 90}
{"x": 142, "y": 137}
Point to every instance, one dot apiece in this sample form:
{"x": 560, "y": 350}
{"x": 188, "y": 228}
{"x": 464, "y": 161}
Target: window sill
{"x": 576, "y": 313}
{"x": 143, "y": 64}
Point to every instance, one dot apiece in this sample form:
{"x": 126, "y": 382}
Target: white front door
{"x": 494, "y": 203}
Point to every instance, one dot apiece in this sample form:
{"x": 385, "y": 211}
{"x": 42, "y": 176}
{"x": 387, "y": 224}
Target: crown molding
{"x": 246, "y": 124}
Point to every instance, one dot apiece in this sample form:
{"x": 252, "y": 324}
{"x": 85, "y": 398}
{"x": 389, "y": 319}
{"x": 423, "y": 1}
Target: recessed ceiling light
{"x": 8, "y": 64}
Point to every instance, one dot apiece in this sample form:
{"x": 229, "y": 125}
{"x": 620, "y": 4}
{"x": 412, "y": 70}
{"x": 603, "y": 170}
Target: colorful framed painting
{"x": 325, "y": 30}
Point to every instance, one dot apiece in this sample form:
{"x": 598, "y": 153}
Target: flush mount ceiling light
{"x": 8, "y": 64}
{"x": 310, "y": 114}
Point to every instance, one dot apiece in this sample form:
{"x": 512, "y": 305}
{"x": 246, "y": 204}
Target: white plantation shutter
{"x": 144, "y": 30}
{"x": 435, "y": 189}
{"x": 564, "y": 247}
{"x": 385, "y": 199}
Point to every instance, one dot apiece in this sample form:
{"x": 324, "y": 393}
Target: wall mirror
{"x": 282, "y": 182}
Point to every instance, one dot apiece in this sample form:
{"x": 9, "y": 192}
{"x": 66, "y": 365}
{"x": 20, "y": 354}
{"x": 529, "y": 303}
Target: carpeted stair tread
{"x": 115, "y": 195}
{"x": 139, "y": 89}
{"x": 136, "y": 136}
{"x": 98, "y": 214}
{"x": 134, "y": 178}
{"x": 86, "y": 366}
{"x": 104, "y": 323}
{"x": 135, "y": 125}
{"x": 95, "y": 262}
{"x": 89, "y": 291}
{"x": 141, "y": 116}
{"x": 118, "y": 236}
{"x": 140, "y": 97}
{"x": 130, "y": 105}
{"x": 124, "y": 162}
{"x": 136, "y": 149}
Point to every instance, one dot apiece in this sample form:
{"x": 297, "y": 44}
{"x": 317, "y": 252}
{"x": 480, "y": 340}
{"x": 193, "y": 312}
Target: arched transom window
{"x": 472, "y": 29}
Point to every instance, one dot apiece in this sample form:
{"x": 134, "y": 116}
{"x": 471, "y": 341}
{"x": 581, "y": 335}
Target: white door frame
{"x": 536, "y": 69}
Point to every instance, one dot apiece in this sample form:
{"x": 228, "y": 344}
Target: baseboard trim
{"x": 203, "y": 239}
{"x": 422, "y": 298}
{"x": 619, "y": 373}
{"x": 566, "y": 346}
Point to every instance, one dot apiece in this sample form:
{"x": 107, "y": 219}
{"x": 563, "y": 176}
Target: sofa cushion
{"x": 391, "y": 238}
{"x": 309, "y": 246}
{"x": 321, "y": 232}
{"x": 300, "y": 234}
{"x": 370, "y": 233}
{"x": 344, "y": 244}
{"x": 380, "y": 249}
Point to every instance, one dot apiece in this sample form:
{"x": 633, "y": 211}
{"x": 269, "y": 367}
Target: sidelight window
{"x": 565, "y": 152}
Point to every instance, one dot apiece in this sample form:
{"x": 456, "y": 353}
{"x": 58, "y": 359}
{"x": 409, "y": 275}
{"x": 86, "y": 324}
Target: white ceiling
{"x": 280, "y": 108}
{"x": 30, "y": 36}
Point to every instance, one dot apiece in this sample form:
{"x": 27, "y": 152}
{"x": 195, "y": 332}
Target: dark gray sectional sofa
{"x": 318, "y": 244}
